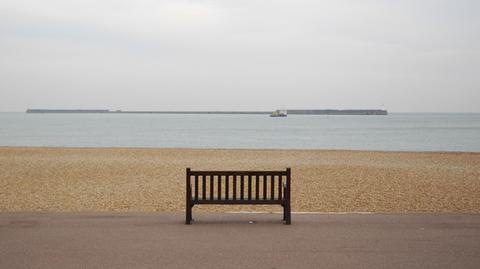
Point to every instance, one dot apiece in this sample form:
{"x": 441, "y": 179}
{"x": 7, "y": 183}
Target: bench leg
{"x": 287, "y": 215}
{"x": 188, "y": 214}
{"x": 288, "y": 219}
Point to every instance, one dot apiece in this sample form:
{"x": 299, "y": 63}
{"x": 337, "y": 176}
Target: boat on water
{"x": 279, "y": 113}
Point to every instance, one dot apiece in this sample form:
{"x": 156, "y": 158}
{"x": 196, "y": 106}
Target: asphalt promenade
{"x": 137, "y": 240}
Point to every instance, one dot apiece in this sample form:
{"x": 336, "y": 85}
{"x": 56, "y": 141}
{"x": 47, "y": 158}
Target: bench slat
{"x": 264, "y": 187}
{"x": 204, "y": 187}
{"x": 239, "y": 202}
{"x": 196, "y": 187}
{"x": 257, "y": 185}
{"x": 272, "y": 187}
{"x": 242, "y": 187}
{"x": 238, "y": 173}
{"x": 227, "y": 179}
{"x": 280, "y": 188}
{"x": 211, "y": 188}
{"x": 219, "y": 190}
{"x": 249, "y": 187}
{"x": 234, "y": 187}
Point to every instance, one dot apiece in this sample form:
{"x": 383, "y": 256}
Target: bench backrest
{"x": 238, "y": 185}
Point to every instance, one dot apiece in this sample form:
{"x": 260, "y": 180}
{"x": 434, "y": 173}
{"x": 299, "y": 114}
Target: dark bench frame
{"x": 255, "y": 188}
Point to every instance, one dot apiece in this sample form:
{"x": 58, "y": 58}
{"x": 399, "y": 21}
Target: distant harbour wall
{"x": 290, "y": 111}
{"x": 337, "y": 112}
{"x": 68, "y": 111}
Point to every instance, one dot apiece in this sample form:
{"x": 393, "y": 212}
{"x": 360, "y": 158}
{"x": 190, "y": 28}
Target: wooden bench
{"x": 238, "y": 188}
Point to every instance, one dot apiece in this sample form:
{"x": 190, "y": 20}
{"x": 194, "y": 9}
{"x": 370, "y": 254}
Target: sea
{"x": 394, "y": 132}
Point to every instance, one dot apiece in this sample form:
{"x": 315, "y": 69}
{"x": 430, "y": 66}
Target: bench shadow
{"x": 239, "y": 221}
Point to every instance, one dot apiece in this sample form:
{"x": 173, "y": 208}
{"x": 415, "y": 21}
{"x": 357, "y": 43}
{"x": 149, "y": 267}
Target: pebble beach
{"x": 36, "y": 179}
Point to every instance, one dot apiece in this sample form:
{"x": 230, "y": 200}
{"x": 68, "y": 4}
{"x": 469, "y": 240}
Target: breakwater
{"x": 290, "y": 111}
{"x": 337, "y": 112}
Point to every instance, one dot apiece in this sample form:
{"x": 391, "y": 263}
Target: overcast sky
{"x": 406, "y": 56}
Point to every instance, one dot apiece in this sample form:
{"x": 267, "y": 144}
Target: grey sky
{"x": 240, "y": 55}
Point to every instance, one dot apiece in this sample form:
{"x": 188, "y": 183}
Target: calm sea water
{"x": 418, "y": 132}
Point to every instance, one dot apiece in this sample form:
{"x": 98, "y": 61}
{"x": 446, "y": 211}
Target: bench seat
{"x": 238, "y": 202}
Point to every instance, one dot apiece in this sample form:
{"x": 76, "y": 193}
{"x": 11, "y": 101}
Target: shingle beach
{"x": 134, "y": 179}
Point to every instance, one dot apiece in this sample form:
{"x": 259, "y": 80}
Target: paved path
{"x": 231, "y": 241}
